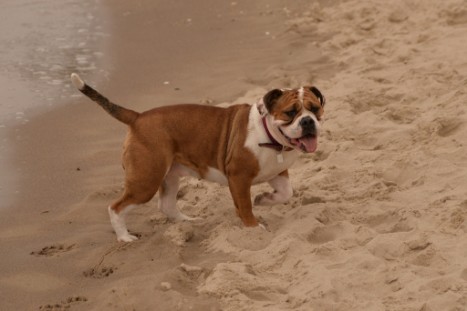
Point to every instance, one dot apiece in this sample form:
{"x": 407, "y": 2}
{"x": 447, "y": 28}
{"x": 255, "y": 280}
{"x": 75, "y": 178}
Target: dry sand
{"x": 377, "y": 221}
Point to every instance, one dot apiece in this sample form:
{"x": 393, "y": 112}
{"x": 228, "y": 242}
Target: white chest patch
{"x": 271, "y": 162}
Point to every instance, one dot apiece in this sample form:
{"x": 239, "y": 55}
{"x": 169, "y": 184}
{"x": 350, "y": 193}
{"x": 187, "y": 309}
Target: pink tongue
{"x": 310, "y": 143}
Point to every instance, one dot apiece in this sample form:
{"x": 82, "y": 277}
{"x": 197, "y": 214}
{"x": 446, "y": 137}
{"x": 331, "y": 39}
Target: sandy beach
{"x": 377, "y": 219}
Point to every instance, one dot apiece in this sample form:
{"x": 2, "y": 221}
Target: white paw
{"x": 127, "y": 238}
{"x": 183, "y": 217}
{"x": 262, "y": 227}
{"x": 195, "y": 219}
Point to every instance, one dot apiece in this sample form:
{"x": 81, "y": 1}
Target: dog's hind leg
{"x": 132, "y": 197}
{"x": 118, "y": 221}
{"x": 143, "y": 179}
{"x": 168, "y": 194}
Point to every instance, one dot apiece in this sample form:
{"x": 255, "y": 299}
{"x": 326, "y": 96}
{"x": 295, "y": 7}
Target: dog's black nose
{"x": 308, "y": 125}
{"x": 307, "y": 122}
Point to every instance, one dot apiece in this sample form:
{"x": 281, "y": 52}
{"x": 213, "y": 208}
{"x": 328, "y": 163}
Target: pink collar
{"x": 274, "y": 144}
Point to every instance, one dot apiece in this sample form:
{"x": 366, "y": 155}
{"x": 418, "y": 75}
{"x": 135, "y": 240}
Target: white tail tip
{"x": 77, "y": 82}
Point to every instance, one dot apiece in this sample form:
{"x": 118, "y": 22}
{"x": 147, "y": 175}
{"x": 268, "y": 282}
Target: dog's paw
{"x": 196, "y": 219}
{"x": 183, "y": 217}
{"x": 127, "y": 238}
{"x": 265, "y": 198}
{"x": 263, "y": 224}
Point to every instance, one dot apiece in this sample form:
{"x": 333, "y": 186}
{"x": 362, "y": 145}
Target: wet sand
{"x": 377, "y": 221}
{"x": 42, "y": 42}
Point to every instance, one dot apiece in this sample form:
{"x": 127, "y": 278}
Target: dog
{"x": 238, "y": 146}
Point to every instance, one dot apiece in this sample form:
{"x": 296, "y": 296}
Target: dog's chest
{"x": 271, "y": 162}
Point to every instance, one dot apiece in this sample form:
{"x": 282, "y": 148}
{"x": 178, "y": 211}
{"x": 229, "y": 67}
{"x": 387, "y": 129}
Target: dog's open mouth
{"x": 307, "y": 143}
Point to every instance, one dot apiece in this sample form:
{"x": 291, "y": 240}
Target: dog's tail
{"x": 124, "y": 115}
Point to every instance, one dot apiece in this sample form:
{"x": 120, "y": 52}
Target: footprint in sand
{"x": 447, "y": 126}
{"x": 441, "y": 126}
{"x": 321, "y": 235}
{"x": 99, "y": 273}
{"x": 454, "y": 15}
{"x": 54, "y": 250}
{"x": 64, "y": 304}
{"x": 388, "y": 222}
{"x": 362, "y": 101}
{"x": 401, "y": 115}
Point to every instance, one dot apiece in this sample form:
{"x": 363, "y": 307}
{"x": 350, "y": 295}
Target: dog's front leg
{"x": 240, "y": 189}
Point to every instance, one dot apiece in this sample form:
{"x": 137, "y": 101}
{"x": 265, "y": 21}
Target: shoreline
{"x": 34, "y": 75}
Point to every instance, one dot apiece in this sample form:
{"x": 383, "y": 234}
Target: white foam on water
{"x": 34, "y": 71}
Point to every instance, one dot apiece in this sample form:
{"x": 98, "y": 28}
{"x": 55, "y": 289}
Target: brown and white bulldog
{"x": 238, "y": 146}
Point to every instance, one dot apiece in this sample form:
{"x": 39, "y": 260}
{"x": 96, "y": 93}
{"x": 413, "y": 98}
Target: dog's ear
{"x": 270, "y": 98}
{"x": 318, "y": 94}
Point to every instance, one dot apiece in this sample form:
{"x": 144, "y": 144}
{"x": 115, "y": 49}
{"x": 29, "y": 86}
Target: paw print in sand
{"x": 53, "y": 250}
{"x": 64, "y": 304}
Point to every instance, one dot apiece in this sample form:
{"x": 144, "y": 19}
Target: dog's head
{"x": 296, "y": 113}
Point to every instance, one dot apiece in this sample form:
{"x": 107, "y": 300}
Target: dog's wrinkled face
{"x": 296, "y": 113}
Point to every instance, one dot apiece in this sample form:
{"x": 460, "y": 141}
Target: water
{"x": 41, "y": 43}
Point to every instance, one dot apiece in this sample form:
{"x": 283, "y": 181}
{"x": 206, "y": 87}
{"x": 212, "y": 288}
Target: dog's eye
{"x": 314, "y": 109}
{"x": 291, "y": 113}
